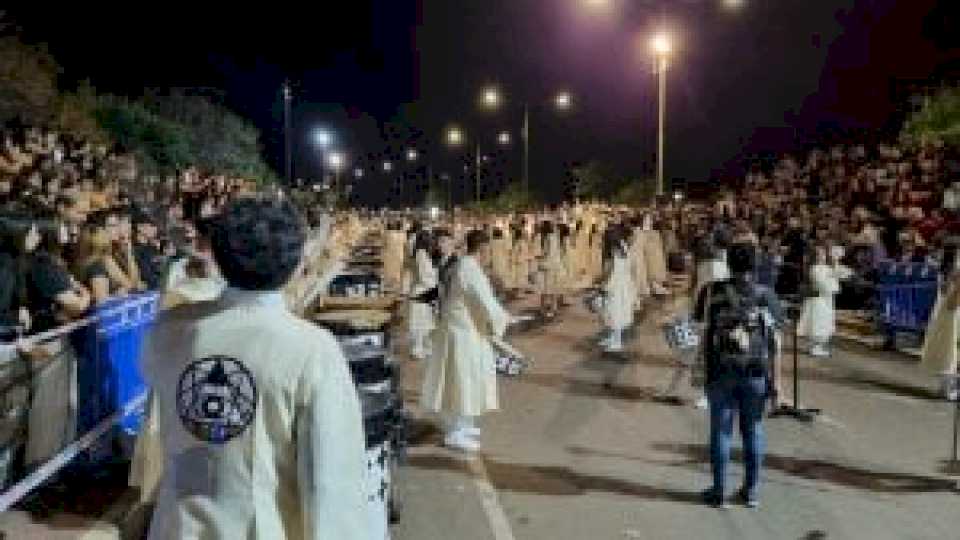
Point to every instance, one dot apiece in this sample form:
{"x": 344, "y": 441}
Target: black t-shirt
{"x": 10, "y": 286}
{"x": 46, "y": 279}
{"x": 150, "y": 263}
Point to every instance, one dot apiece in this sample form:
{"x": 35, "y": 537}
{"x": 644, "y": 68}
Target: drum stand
{"x": 795, "y": 411}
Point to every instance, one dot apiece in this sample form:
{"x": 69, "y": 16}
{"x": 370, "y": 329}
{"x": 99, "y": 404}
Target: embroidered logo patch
{"x": 216, "y": 398}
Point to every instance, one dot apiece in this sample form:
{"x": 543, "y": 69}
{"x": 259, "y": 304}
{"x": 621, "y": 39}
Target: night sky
{"x": 763, "y": 77}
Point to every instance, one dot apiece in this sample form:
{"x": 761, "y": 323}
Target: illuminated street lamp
{"x": 387, "y": 166}
{"x": 662, "y": 47}
{"x": 336, "y": 160}
{"x": 454, "y": 136}
{"x": 358, "y": 173}
{"x": 562, "y": 101}
{"x": 733, "y": 4}
{"x": 322, "y": 138}
{"x": 504, "y": 138}
{"x": 412, "y": 154}
{"x": 490, "y": 97}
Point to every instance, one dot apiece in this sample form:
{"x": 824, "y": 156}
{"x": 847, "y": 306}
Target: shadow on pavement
{"x": 854, "y": 379}
{"x": 824, "y": 471}
{"x": 553, "y": 480}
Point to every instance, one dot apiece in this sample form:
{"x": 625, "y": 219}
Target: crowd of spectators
{"x": 79, "y": 227}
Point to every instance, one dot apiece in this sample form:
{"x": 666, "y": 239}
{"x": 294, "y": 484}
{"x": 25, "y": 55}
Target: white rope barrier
{"x": 57, "y": 462}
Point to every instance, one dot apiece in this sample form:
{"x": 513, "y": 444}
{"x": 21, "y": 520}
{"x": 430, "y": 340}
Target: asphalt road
{"x": 585, "y": 449}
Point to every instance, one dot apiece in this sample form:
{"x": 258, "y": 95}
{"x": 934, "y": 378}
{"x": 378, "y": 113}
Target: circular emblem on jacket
{"x": 216, "y": 398}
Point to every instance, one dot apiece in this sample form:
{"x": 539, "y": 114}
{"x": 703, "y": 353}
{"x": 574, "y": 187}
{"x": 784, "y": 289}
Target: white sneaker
{"x": 702, "y": 403}
{"x": 460, "y": 441}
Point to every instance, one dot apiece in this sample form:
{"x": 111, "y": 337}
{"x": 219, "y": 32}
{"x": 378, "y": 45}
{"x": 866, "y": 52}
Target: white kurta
{"x": 423, "y": 278}
{"x": 653, "y": 255}
{"x": 939, "y": 354}
{"x": 709, "y": 271}
{"x": 619, "y": 295}
{"x": 461, "y": 376}
{"x": 297, "y": 470}
{"x": 817, "y": 318}
{"x": 638, "y": 266}
{"x": 394, "y": 246}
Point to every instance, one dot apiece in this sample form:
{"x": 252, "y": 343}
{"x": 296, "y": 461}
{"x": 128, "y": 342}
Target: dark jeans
{"x": 727, "y": 395}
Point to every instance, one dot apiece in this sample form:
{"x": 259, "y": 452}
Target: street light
{"x": 733, "y": 4}
{"x": 336, "y": 160}
{"x": 322, "y": 138}
{"x": 662, "y": 47}
{"x": 562, "y": 101}
{"x": 504, "y": 138}
{"x": 490, "y": 98}
{"x": 412, "y": 154}
{"x": 387, "y": 166}
{"x": 454, "y": 136}
{"x": 358, "y": 173}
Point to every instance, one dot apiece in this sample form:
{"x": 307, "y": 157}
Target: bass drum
{"x": 350, "y": 330}
{"x": 381, "y": 417}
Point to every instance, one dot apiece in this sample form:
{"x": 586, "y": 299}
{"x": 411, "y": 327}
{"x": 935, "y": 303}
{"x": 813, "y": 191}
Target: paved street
{"x": 583, "y": 449}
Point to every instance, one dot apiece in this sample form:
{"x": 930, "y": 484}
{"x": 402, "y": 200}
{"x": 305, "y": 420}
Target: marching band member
{"x": 423, "y": 277}
{"x": 260, "y": 420}
{"x": 618, "y": 290}
{"x": 460, "y": 382}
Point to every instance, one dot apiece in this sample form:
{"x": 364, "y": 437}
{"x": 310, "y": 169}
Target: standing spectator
{"x": 94, "y": 264}
{"x": 740, "y": 318}
{"x": 146, "y": 250}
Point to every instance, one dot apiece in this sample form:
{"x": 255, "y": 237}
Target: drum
{"x": 379, "y": 489}
{"x": 356, "y": 284}
{"x": 370, "y": 366}
{"x": 380, "y": 423}
{"x": 356, "y": 327}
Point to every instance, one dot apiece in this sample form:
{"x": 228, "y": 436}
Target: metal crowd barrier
{"x": 905, "y": 296}
{"x": 110, "y": 389}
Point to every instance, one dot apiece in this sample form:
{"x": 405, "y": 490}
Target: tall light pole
{"x": 336, "y": 161}
{"x": 288, "y": 150}
{"x": 323, "y": 138}
{"x": 661, "y": 49}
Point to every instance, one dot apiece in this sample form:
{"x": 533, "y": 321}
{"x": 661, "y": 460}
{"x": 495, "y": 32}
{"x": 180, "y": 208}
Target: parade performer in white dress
{"x": 423, "y": 277}
{"x": 261, "y": 424}
{"x": 394, "y": 243}
{"x": 638, "y": 266}
{"x": 940, "y": 345}
{"x": 817, "y": 317}
{"x": 460, "y": 382}
{"x": 618, "y": 292}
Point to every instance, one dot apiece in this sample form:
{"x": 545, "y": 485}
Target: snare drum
{"x": 370, "y": 366}
{"x": 351, "y": 331}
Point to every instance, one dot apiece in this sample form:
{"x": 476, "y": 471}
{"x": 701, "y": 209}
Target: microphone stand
{"x": 795, "y": 411}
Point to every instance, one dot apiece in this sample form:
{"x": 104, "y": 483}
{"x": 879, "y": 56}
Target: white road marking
{"x": 499, "y": 524}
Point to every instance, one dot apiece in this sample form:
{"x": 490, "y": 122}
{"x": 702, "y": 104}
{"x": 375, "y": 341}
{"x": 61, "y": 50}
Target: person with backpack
{"x": 741, "y": 319}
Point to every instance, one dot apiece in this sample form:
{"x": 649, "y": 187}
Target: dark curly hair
{"x": 257, "y": 243}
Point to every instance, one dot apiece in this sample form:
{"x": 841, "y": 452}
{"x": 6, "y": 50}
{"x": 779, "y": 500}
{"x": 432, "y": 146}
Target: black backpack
{"x": 742, "y": 333}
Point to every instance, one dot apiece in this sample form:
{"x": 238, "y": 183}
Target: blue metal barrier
{"x": 906, "y": 293}
{"x": 108, "y": 374}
